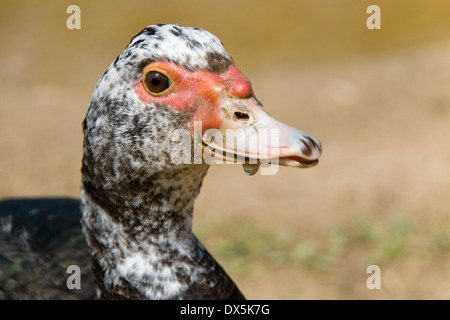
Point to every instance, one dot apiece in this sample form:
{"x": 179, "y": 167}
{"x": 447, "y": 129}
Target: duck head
{"x": 174, "y": 96}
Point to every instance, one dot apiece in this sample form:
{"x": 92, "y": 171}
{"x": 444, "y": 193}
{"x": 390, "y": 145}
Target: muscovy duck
{"x": 170, "y": 101}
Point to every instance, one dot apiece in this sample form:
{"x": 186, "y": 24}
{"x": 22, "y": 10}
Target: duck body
{"x": 174, "y": 93}
{"x": 39, "y": 240}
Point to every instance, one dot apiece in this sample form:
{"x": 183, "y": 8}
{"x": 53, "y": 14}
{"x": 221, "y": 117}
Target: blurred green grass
{"x": 252, "y": 251}
{"x": 381, "y": 241}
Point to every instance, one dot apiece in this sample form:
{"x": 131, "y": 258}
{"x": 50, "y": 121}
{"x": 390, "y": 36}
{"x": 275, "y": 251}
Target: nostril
{"x": 241, "y": 116}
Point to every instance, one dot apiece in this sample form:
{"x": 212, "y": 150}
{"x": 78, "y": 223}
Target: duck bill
{"x": 247, "y": 134}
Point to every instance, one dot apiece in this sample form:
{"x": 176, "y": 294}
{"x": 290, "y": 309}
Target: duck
{"x": 168, "y": 107}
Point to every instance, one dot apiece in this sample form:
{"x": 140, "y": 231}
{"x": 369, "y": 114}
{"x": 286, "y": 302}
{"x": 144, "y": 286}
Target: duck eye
{"x": 156, "y": 82}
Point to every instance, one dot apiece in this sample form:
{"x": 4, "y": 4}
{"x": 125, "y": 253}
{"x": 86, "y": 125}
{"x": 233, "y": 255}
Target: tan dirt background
{"x": 378, "y": 100}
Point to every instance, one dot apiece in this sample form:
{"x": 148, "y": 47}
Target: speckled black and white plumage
{"x": 137, "y": 206}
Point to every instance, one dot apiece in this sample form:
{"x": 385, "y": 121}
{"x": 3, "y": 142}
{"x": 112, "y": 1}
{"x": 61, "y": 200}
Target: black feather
{"x": 39, "y": 239}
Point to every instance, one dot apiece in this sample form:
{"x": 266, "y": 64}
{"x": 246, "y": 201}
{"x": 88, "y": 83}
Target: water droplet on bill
{"x": 250, "y": 169}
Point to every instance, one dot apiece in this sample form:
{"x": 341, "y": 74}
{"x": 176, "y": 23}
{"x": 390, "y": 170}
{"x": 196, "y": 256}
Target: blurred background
{"x": 378, "y": 100}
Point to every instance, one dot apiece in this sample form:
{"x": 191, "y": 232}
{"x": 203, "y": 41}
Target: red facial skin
{"x": 198, "y": 92}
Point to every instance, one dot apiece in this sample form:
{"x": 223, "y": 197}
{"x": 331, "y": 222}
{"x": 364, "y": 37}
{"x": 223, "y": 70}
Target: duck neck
{"x": 140, "y": 234}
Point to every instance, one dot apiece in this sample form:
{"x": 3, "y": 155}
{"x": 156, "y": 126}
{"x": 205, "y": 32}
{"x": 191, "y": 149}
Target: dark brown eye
{"x": 156, "y": 82}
